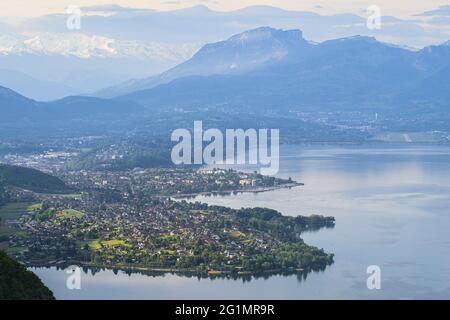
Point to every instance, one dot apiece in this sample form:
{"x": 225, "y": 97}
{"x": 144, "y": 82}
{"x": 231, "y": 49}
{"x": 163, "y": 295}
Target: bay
{"x": 392, "y": 210}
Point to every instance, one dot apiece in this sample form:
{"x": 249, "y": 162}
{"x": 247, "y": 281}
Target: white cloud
{"x": 138, "y": 23}
{"x": 441, "y": 11}
{"x": 401, "y": 8}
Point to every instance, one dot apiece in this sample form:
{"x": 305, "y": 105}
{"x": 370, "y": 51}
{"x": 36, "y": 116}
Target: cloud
{"x": 113, "y": 8}
{"x": 440, "y": 21}
{"x": 208, "y": 1}
{"x": 174, "y": 2}
{"x": 391, "y": 19}
{"x": 438, "y": 17}
{"x": 193, "y": 25}
{"x": 441, "y": 11}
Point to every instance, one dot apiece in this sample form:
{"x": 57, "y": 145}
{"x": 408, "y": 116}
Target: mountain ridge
{"x": 236, "y": 57}
{"x": 15, "y": 107}
{"x": 346, "y": 72}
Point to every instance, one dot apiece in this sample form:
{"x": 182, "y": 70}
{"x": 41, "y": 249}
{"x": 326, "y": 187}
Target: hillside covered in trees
{"x": 17, "y": 283}
{"x": 31, "y": 179}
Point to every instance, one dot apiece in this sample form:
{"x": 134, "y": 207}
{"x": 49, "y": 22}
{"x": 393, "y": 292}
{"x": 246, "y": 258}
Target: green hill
{"x": 31, "y": 179}
{"x": 17, "y": 283}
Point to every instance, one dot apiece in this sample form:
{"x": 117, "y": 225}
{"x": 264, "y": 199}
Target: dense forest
{"x": 16, "y": 283}
{"x": 31, "y": 179}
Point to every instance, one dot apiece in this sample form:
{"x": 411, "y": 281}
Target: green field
{"x": 70, "y": 213}
{"x": 97, "y": 244}
{"x": 13, "y": 211}
{"x": 73, "y": 196}
{"x": 35, "y": 207}
{"x": 236, "y": 234}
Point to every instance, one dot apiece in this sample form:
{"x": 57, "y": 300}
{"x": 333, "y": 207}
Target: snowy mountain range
{"x": 57, "y": 65}
{"x": 116, "y": 43}
{"x": 91, "y": 46}
{"x": 264, "y": 74}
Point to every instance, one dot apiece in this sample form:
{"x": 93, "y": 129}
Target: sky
{"x": 110, "y": 29}
{"x": 398, "y": 8}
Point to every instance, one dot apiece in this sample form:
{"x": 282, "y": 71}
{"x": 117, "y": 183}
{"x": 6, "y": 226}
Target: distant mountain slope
{"x": 15, "y": 107}
{"x": 88, "y": 107}
{"x": 11, "y": 98}
{"x": 239, "y": 54}
{"x": 33, "y": 88}
{"x": 31, "y": 179}
{"x": 261, "y": 72}
{"x": 16, "y": 283}
{"x": 350, "y": 73}
{"x": 80, "y": 62}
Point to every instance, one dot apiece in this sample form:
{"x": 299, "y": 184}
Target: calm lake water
{"x": 392, "y": 209}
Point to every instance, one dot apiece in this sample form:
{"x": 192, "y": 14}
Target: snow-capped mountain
{"x": 241, "y": 53}
{"x": 89, "y": 46}
{"x": 118, "y": 43}
{"x": 56, "y": 65}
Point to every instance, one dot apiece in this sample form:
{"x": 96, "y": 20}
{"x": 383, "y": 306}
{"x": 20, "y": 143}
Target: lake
{"x": 392, "y": 210}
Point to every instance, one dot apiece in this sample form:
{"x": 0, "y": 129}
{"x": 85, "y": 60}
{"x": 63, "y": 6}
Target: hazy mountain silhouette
{"x": 15, "y": 107}
{"x": 279, "y": 69}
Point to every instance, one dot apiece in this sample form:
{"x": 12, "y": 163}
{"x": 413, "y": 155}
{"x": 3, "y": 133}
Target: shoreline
{"x": 193, "y": 272}
{"x": 229, "y": 192}
{"x": 238, "y": 272}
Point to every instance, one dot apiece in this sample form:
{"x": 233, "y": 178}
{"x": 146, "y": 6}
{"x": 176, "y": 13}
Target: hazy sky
{"x": 400, "y": 8}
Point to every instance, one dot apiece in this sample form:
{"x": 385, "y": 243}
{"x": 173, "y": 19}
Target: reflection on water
{"x": 245, "y": 277}
{"x": 392, "y": 209}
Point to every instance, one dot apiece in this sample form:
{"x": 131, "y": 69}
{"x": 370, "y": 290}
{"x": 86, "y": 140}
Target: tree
{"x": 17, "y": 283}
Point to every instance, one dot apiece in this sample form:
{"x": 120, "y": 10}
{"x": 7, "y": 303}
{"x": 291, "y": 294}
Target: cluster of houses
{"x": 158, "y": 234}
